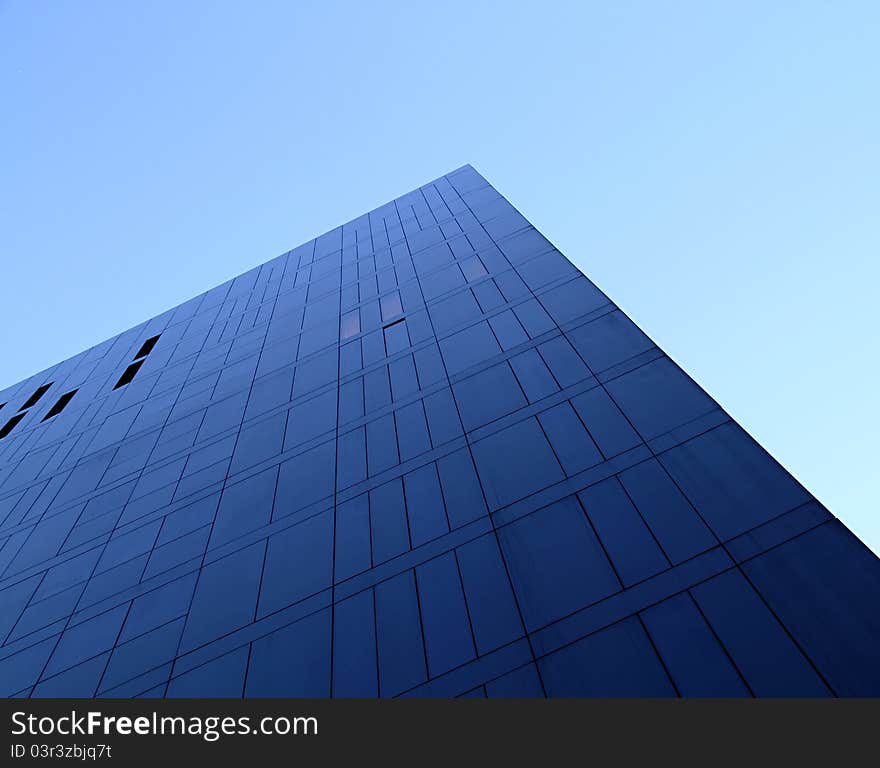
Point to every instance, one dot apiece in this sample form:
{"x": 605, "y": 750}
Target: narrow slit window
{"x": 10, "y": 425}
{"x": 393, "y": 323}
{"x": 128, "y": 374}
{"x": 59, "y": 406}
{"x": 147, "y": 346}
{"x": 36, "y": 396}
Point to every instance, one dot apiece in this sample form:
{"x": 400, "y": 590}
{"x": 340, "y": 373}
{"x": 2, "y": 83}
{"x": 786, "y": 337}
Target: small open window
{"x": 10, "y": 425}
{"x": 128, "y": 374}
{"x": 60, "y": 404}
{"x": 32, "y": 400}
{"x": 147, "y": 346}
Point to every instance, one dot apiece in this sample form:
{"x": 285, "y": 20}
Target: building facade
{"x": 420, "y": 455}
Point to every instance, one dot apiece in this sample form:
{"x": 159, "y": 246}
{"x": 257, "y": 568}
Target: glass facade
{"x": 420, "y": 455}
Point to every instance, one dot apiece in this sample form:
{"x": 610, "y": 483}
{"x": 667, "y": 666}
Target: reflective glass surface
{"x": 419, "y": 455}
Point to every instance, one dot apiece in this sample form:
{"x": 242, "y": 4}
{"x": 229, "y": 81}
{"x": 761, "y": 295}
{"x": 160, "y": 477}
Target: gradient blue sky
{"x": 714, "y": 167}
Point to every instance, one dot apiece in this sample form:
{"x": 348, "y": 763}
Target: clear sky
{"x": 714, "y": 167}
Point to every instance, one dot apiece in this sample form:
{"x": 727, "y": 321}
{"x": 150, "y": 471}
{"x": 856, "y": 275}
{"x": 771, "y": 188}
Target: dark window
{"x": 128, "y": 374}
{"x": 147, "y": 346}
{"x": 10, "y": 425}
{"x": 394, "y": 322}
{"x": 59, "y": 406}
{"x": 36, "y": 396}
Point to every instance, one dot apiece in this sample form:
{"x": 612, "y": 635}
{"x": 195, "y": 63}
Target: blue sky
{"x": 714, "y": 167}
